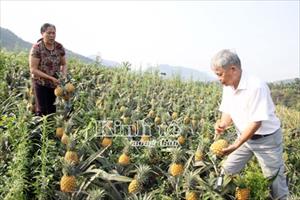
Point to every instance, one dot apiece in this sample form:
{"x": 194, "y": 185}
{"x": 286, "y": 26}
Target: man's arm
{"x": 246, "y": 135}
{"x": 222, "y": 124}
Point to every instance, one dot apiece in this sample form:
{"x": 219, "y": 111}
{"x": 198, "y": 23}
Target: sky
{"x": 265, "y": 34}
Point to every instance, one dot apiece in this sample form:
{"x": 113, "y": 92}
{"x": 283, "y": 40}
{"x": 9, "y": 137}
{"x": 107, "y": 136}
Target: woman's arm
{"x": 33, "y": 63}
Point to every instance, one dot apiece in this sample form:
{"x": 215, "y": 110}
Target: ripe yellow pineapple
{"x": 71, "y": 156}
{"x": 151, "y": 114}
{"x": 217, "y": 146}
{"x": 157, "y": 120}
{"x": 68, "y": 180}
{"x": 186, "y": 120}
{"x": 174, "y": 115}
{"x": 106, "y": 142}
{"x": 198, "y": 155}
{"x": 181, "y": 139}
{"x": 69, "y": 87}
{"x": 199, "y": 152}
{"x": 65, "y": 139}
{"x": 133, "y": 186}
{"x": 59, "y": 132}
{"x": 60, "y": 123}
{"x": 242, "y": 193}
{"x": 124, "y": 158}
{"x": 59, "y": 91}
{"x": 139, "y": 179}
{"x": 191, "y": 196}
{"x": 123, "y": 109}
{"x": 176, "y": 167}
{"x": 145, "y": 138}
{"x": 190, "y": 184}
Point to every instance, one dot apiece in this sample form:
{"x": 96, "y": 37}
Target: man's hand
{"x": 229, "y": 149}
{"x": 219, "y": 127}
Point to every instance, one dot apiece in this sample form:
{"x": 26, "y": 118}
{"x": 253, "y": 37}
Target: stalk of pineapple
{"x": 176, "y": 168}
{"x": 68, "y": 180}
{"x": 124, "y": 158}
{"x": 71, "y": 156}
{"x": 139, "y": 179}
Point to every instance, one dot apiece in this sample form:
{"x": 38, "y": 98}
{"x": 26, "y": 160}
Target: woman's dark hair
{"x": 45, "y": 26}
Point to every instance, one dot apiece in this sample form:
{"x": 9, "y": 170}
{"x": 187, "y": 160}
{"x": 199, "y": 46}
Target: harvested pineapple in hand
{"x": 217, "y": 146}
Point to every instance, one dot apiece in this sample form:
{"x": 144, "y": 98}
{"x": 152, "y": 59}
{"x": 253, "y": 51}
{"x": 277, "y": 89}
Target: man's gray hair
{"x": 225, "y": 58}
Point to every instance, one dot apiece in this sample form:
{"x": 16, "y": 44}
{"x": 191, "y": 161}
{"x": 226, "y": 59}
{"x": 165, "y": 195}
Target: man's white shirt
{"x": 250, "y": 102}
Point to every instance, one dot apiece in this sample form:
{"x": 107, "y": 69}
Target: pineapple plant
{"x": 60, "y": 126}
{"x": 176, "y": 168}
{"x": 199, "y": 153}
{"x": 139, "y": 179}
{"x": 68, "y": 180}
{"x": 242, "y": 192}
{"x": 217, "y": 146}
{"x": 71, "y": 156}
{"x": 190, "y": 183}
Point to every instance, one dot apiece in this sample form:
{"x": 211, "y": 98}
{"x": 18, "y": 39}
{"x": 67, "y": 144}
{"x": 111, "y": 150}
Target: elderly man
{"x": 247, "y": 103}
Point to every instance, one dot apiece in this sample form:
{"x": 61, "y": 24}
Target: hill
{"x": 185, "y": 73}
{"x": 12, "y": 42}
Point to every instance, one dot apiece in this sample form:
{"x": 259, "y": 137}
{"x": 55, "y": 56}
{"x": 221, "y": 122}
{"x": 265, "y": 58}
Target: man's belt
{"x": 256, "y": 137}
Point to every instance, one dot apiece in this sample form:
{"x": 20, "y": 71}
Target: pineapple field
{"x": 121, "y": 134}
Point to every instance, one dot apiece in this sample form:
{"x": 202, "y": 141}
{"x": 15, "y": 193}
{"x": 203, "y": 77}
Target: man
{"x": 247, "y": 103}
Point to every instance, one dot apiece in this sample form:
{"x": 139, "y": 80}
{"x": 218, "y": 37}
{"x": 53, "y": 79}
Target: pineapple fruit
{"x": 241, "y": 191}
{"x": 59, "y": 132}
{"x": 217, "y": 146}
{"x": 176, "y": 167}
{"x": 145, "y": 138}
{"x": 65, "y": 139}
{"x": 69, "y": 88}
{"x": 124, "y": 158}
{"x": 191, "y": 196}
{"x": 181, "y": 139}
{"x": 59, "y": 91}
{"x": 106, "y": 142}
{"x": 190, "y": 184}
{"x": 139, "y": 179}
{"x": 198, "y": 155}
{"x": 71, "y": 156}
{"x": 68, "y": 180}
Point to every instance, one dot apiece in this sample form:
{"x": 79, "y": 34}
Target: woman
{"x": 47, "y": 60}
